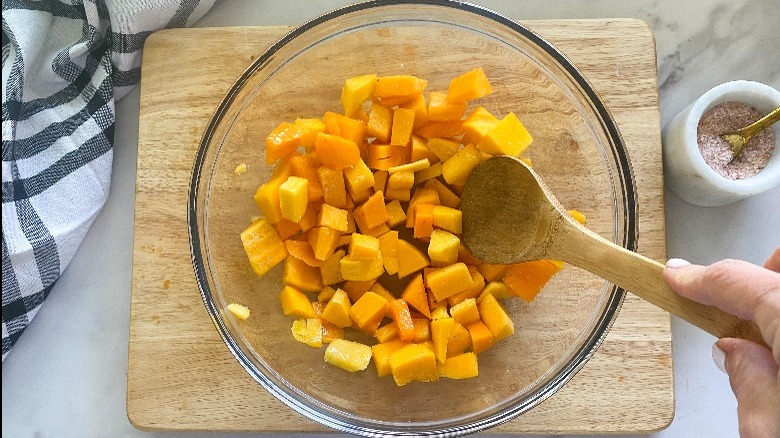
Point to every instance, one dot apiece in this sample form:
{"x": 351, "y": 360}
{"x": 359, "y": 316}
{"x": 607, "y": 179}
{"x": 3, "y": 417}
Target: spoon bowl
{"x": 511, "y": 216}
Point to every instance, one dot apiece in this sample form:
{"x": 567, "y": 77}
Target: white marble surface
{"x": 66, "y": 377}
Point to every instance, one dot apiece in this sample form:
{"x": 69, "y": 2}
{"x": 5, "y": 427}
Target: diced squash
{"x": 284, "y": 139}
{"x": 399, "y": 85}
{"x": 495, "y": 288}
{"x": 387, "y": 332}
{"x": 337, "y": 310}
{"x": 478, "y": 124}
{"x": 383, "y": 157}
{"x": 414, "y": 166}
{"x": 382, "y": 352}
{"x": 367, "y": 309}
{"x": 465, "y": 256}
{"x": 441, "y": 330}
{"x": 473, "y": 291}
{"x": 361, "y": 270}
{"x": 399, "y": 195}
{"x": 423, "y": 220}
{"x": 527, "y": 279}
{"x": 449, "y": 219}
{"x": 493, "y": 272}
{"x": 460, "y": 340}
{"x": 267, "y": 200}
{"x": 481, "y": 337}
{"x": 508, "y": 137}
{"x": 308, "y": 331}
{"x": 239, "y": 311}
{"x": 422, "y": 330}
{"x": 427, "y": 174}
{"x": 380, "y": 121}
{"x": 449, "y": 280}
{"x": 465, "y": 312}
{"x": 470, "y": 85}
{"x": 263, "y": 246}
{"x": 301, "y": 276}
{"x": 416, "y": 296}
{"x": 414, "y": 362}
{"x": 356, "y": 289}
{"x": 420, "y": 107}
{"x": 356, "y": 91}
{"x": 305, "y": 166}
{"x": 441, "y": 108}
{"x": 345, "y": 127}
{"x": 287, "y": 229}
{"x": 296, "y": 303}
{"x": 325, "y": 295}
{"x": 323, "y": 241}
{"x": 380, "y": 180}
{"x": 348, "y": 355}
{"x": 388, "y": 247}
{"x": 578, "y": 216}
{"x": 309, "y": 130}
{"x": 439, "y": 312}
{"x": 443, "y": 148}
{"x": 336, "y": 152}
{"x": 403, "y": 124}
{"x": 333, "y": 218}
{"x": 410, "y": 259}
{"x": 445, "y": 129}
{"x": 331, "y": 268}
{"x": 303, "y": 252}
{"x": 420, "y": 150}
{"x": 401, "y": 180}
{"x": 310, "y": 216}
{"x": 422, "y": 195}
{"x": 443, "y": 247}
{"x": 360, "y": 181}
{"x": 363, "y": 247}
{"x": 495, "y": 318}
{"x": 334, "y": 191}
{"x": 403, "y": 319}
{"x": 457, "y": 168}
{"x": 446, "y": 197}
{"x": 330, "y": 332}
{"x": 371, "y": 213}
{"x": 382, "y": 291}
{"x": 462, "y": 366}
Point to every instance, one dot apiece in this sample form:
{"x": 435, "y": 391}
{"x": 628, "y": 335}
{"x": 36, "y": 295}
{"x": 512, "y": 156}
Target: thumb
{"x": 753, "y": 374}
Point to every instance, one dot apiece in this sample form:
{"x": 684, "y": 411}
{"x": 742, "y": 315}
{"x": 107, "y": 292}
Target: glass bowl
{"x": 577, "y": 149}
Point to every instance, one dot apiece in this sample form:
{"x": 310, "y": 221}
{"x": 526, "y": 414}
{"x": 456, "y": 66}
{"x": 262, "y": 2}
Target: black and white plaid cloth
{"x": 64, "y": 64}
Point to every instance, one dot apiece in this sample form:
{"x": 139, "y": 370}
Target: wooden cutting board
{"x": 181, "y": 376}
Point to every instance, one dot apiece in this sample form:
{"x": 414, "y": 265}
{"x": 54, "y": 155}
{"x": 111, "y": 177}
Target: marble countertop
{"x": 66, "y": 376}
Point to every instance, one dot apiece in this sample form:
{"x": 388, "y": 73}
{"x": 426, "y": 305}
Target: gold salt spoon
{"x": 739, "y": 138}
{"x": 510, "y": 216}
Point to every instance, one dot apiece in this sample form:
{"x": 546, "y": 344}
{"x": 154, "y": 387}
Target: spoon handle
{"x": 644, "y": 278}
{"x": 759, "y": 125}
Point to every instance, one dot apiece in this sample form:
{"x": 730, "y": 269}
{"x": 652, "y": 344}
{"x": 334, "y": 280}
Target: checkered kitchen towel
{"x": 64, "y": 63}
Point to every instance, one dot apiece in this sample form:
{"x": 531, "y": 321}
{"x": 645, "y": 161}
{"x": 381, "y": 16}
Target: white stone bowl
{"x": 687, "y": 174}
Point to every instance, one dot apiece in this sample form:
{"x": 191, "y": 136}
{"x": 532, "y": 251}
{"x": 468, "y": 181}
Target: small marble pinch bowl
{"x": 687, "y": 174}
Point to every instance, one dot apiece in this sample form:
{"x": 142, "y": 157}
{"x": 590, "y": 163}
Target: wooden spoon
{"x": 509, "y": 216}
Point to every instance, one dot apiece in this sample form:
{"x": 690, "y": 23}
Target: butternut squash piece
{"x": 421, "y": 150}
{"x": 481, "y": 337}
{"x": 465, "y": 312}
{"x": 508, "y": 137}
{"x": 383, "y": 157}
{"x": 336, "y": 152}
{"x": 441, "y": 108}
{"x": 414, "y": 166}
{"x": 427, "y": 174}
{"x": 310, "y": 216}
{"x": 414, "y": 362}
{"x": 441, "y": 330}
{"x": 460, "y": 340}
{"x": 363, "y": 247}
{"x": 337, "y": 310}
{"x": 422, "y": 330}
{"x": 457, "y": 168}
{"x": 239, "y": 311}
{"x": 423, "y": 220}
{"x": 331, "y": 268}
{"x": 422, "y": 195}
{"x": 356, "y": 91}
{"x": 398, "y": 85}
{"x": 333, "y": 218}
{"x": 356, "y": 289}
{"x": 301, "y": 276}
{"x": 284, "y": 139}
{"x": 495, "y": 288}
{"x": 444, "y": 129}
{"x": 348, "y": 355}
{"x": 326, "y": 293}
{"x": 345, "y": 127}
{"x": 334, "y": 191}
{"x": 403, "y": 319}
{"x": 370, "y": 307}
{"x": 380, "y": 180}
{"x": 296, "y": 303}
{"x": 323, "y": 241}
{"x": 303, "y": 252}
{"x": 443, "y": 148}
{"x": 448, "y": 219}
{"x": 263, "y": 246}
{"x": 305, "y": 166}
{"x": 371, "y": 213}
{"x": 462, "y": 366}
{"x": 388, "y": 247}
{"x": 447, "y": 197}
{"x": 361, "y": 270}
{"x": 308, "y": 331}
{"x": 382, "y": 352}
{"x": 287, "y": 229}
{"x": 449, "y": 280}
{"x": 360, "y": 181}
{"x": 395, "y": 214}
{"x": 493, "y": 272}
{"x": 420, "y": 107}
{"x": 403, "y": 124}
{"x": 478, "y": 124}
{"x": 401, "y": 180}
{"x": 443, "y": 247}
{"x": 495, "y": 318}
{"x": 410, "y": 259}
{"x": 473, "y": 291}
{"x": 527, "y": 279}
{"x": 330, "y": 332}
{"x": 380, "y": 121}
{"x": 470, "y": 85}
{"x": 415, "y": 295}
{"x": 309, "y": 130}
{"x": 387, "y": 332}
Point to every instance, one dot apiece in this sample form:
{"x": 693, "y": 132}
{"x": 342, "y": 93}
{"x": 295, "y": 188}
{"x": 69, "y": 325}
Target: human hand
{"x": 750, "y": 292}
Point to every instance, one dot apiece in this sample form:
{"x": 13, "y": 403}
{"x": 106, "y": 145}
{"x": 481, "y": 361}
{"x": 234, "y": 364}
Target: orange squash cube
{"x": 380, "y": 121}
{"x": 333, "y": 218}
{"x": 330, "y": 270}
{"x": 508, "y": 137}
{"x": 403, "y": 125}
{"x": 421, "y": 150}
{"x": 305, "y": 166}
{"x": 441, "y": 330}
{"x": 420, "y": 108}
{"x": 423, "y": 220}
{"x": 284, "y": 139}
{"x": 416, "y": 296}
{"x": 414, "y": 362}
{"x": 323, "y": 241}
{"x": 287, "y": 229}
{"x": 368, "y": 309}
{"x": 348, "y": 355}
{"x": 457, "y": 168}
{"x": 380, "y": 180}
{"x": 395, "y": 214}
{"x": 383, "y": 157}
{"x": 308, "y": 331}
{"x": 414, "y": 166}
{"x": 495, "y": 288}
{"x": 427, "y": 174}
{"x": 465, "y": 312}
{"x": 443, "y": 129}
{"x": 296, "y": 303}
{"x": 360, "y": 181}
{"x": 410, "y": 259}
{"x": 443, "y": 247}
{"x": 470, "y": 85}
{"x": 403, "y": 319}
{"x": 398, "y": 85}
{"x": 334, "y": 190}
{"x": 495, "y": 318}
{"x": 447, "y": 218}
{"x": 302, "y": 251}
{"x": 361, "y": 270}
{"x": 371, "y": 213}
{"x": 387, "y": 332}
{"x": 363, "y": 247}
{"x": 460, "y": 340}
{"x": 447, "y": 197}
{"x": 263, "y": 246}
{"x": 441, "y": 108}
{"x": 493, "y": 272}
{"x": 356, "y": 90}
{"x": 267, "y": 200}
{"x": 356, "y": 289}
{"x": 462, "y": 366}
{"x": 527, "y": 279}
{"x": 388, "y": 247}
{"x": 301, "y": 276}
{"x": 473, "y": 291}
{"x": 336, "y": 152}
{"x": 401, "y": 180}
{"x": 443, "y": 148}
{"x": 309, "y": 130}
{"x": 477, "y": 125}
{"x": 481, "y": 337}
{"x": 382, "y": 352}
{"x": 337, "y": 310}
{"x": 449, "y": 280}
{"x": 294, "y": 198}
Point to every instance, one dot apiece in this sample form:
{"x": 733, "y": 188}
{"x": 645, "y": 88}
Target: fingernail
{"x": 677, "y": 263}
{"x": 719, "y": 357}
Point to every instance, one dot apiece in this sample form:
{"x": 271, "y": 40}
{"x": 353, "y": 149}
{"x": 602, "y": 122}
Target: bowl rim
{"x": 624, "y": 184}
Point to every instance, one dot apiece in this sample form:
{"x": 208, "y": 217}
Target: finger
{"x": 773, "y": 262}
{"x": 753, "y": 375}
{"x": 734, "y": 286}
{"x": 768, "y": 320}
